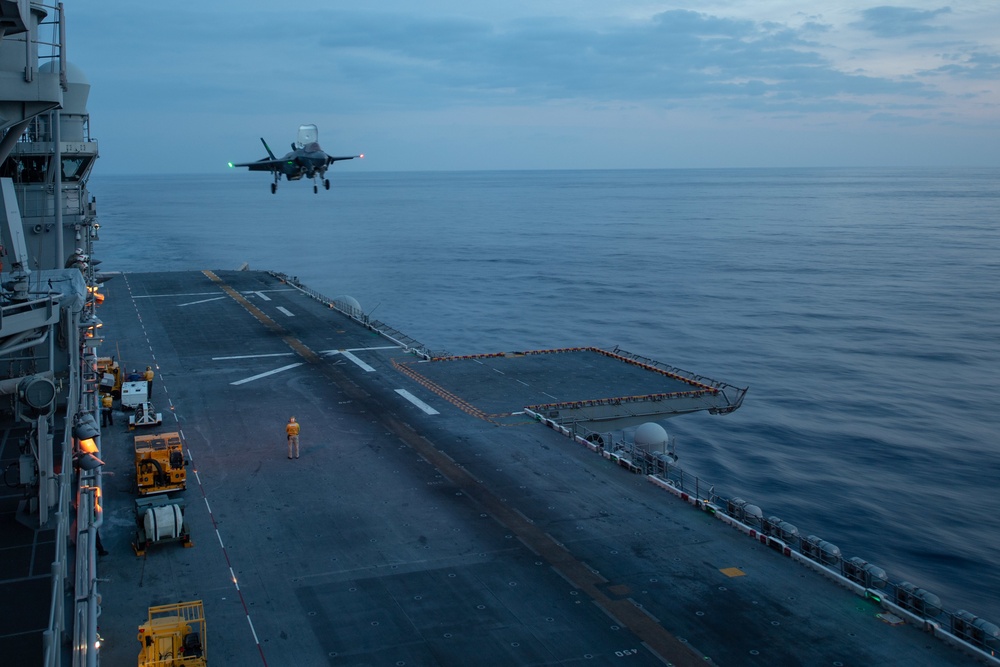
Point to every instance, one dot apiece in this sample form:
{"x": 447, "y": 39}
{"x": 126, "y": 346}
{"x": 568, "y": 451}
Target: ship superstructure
{"x": 49, "y": 334}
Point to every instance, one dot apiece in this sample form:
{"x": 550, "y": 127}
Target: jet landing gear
{"x": 274, "y": 186}
{"x": 326, "y": 183}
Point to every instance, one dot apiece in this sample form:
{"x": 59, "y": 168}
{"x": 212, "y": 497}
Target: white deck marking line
{"x": 286, "y": 311}
{"x": 365, "y": 367}
{"x": 177, "y": 294}
{"x": 554, "y": 398}
{"x": 264, "y": 375}
{"x": 361, "y": 349}
{"x": 417, "y": 402}
{"x": 255, "y": 356}
{"x": 252, "y": 630}
{"x": 263, "y": 296}
{"x": 192, "y": 303}
{"x": 157, "y": 296}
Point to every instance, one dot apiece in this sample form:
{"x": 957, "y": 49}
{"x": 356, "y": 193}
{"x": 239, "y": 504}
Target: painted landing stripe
{"x": 254, "y": 356}
{"x": 250, "y": 621}
{"x": 192, "y": 303}
{"x": 169, "y": 296}
{"x": 286, "y": 311}
{"x": 264, "y": 375}
{"x": 417, "y": 402}
{"x": 365, "y": 367}
{"x": 263, "y": 296}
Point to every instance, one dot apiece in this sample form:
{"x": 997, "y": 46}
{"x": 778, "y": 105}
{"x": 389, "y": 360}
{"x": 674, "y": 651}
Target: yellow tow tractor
{"x": 174, "y": 636}
{"x": 159, "y": 464}
{"x": 159, "y": 471}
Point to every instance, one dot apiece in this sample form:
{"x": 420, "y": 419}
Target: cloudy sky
{"x": 185, "y": 87}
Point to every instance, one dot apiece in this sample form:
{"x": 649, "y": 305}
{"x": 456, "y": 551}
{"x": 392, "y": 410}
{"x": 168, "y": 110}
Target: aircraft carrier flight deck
{"x": 430, "y": 519}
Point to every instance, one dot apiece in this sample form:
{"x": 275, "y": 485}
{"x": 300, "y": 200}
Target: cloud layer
{"x": 223, "y": 73}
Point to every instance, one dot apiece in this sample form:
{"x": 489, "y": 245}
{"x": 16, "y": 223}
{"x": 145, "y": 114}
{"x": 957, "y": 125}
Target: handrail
{"x": 356, "y": 314}
{"x": 960, "y": 628}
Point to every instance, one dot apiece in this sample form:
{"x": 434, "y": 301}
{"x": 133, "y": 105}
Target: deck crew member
{"x": 292, "y": 430}
{"x": 148, "y": 377}
{"x": 107, "y": 418}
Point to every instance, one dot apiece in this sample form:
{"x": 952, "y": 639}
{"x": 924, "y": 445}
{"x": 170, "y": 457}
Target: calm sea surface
{"x": 861, "y": 306}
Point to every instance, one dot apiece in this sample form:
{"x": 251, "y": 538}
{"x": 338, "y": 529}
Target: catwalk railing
{"x": 352, "y": 311}
{"x": 903, "y": 599}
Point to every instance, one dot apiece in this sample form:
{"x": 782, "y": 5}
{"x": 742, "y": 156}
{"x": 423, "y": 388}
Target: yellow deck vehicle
{"x": 159, "y": 464}
{"x": 174, "y": 636}
{"x": 111, "y": 376}
{"x": 159, "y": 519}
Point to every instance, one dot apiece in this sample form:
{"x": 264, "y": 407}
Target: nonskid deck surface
{"x": 496, "y": 386}
{"x": 413, "y": 533}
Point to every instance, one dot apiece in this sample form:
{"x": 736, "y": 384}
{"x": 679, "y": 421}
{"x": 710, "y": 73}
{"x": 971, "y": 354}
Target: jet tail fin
{"x": 268, "y": 149}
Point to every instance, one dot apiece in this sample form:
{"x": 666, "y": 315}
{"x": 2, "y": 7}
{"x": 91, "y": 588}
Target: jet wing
{"x": 269, "y": 163}
{"x": 264, "y": 164}
{"x": 330, "y": 159}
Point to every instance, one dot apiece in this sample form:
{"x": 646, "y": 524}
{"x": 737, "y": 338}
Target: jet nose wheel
{"x": 315, "y": 189}
{"x": 274, "y": 188}
{"x": 326, "y": 183}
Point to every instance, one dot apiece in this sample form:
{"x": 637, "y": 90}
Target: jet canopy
{"x": 308, "y": 134}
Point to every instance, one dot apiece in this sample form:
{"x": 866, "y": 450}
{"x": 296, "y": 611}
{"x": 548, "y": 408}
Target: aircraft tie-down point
{"x": 306, "y": 159}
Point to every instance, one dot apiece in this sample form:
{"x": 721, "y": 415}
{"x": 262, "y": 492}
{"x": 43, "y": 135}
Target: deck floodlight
{"x": 88, "y": 446}
{"x": 92, "y": 322}
{"x": 88, "y": 461}
{"x": 86, "y": 428}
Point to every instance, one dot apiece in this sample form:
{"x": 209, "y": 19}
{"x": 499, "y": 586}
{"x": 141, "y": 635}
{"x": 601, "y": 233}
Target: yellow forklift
{"x": 174, "y": 636}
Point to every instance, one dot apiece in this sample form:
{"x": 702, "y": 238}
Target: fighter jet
{"x": 306, "y": 159}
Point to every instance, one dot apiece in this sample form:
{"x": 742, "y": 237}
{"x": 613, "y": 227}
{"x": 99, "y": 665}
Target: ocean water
{"x": 861, "y": 307}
